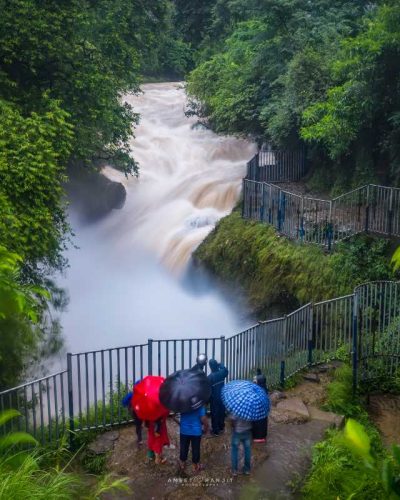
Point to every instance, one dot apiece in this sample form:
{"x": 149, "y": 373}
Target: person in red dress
{"x": 157, "y": 438}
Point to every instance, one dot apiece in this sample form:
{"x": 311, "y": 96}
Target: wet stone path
{"x": 296, "y": 423}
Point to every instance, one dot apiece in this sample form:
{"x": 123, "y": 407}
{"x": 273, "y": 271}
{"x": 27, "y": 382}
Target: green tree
{"x": 32, "y": 154}
{"x": 361, "y": 109}
{"x": 21, "y": 307}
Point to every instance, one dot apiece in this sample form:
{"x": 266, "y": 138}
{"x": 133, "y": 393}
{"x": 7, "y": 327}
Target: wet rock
{"x": 276, "y": 396}
{"x": 323, "y": 368}
{"x": 291, "y": 410}
{"x": 311, "y": 377}
{"x": 333, "y": 419}
{"x": 93, "y": 194}
{"x": 103, "y": 443}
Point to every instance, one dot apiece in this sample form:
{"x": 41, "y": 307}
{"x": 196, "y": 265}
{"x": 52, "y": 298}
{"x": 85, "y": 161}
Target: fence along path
{"x": 88, "y": 394}
{"x": 371, "y": 208}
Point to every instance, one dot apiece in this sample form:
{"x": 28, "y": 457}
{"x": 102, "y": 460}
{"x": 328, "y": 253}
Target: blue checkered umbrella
{"x": 246, "y": 400}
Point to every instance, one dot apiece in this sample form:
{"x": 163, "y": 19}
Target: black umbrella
{"x": 185, "y": 390}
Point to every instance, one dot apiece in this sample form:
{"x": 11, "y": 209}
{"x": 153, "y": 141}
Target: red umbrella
{"x": 145, "y": 401}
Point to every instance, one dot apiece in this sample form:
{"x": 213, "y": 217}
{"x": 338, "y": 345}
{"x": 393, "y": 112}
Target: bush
{"x": 40, "y": 474}
{"x": 339, "y": 470}
{"x": 272, "y": 269}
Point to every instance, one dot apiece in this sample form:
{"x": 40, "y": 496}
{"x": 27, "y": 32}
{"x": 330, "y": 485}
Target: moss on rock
{"x": 271, "y": 269}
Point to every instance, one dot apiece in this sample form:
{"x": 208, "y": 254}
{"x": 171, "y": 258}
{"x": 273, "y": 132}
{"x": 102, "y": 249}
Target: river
{"x": 131, "y": 276}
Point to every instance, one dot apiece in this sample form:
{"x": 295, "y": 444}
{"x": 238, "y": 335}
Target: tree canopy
{"x": 322, "y": 73}
{"x": 64, "y": 69}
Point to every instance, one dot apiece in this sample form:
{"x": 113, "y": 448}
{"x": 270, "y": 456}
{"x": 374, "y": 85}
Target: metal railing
{"x": 277, "y": 166}
{"x": 365, "y": 324}
{"x": 43, "y": 405}
{"x": 370, "y": 209}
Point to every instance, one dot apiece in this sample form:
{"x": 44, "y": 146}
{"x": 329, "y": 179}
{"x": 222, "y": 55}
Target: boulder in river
{"x": 93, "y": 194}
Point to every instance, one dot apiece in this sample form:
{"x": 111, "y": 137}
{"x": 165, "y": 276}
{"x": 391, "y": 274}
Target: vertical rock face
{"x": 93, "y": 194}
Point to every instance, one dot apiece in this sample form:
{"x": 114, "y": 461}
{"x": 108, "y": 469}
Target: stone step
{"x": 333, "y": 419}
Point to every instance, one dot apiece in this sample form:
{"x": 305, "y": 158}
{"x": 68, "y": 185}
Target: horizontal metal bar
{"x": 108, "y": 349}
{"x": 27, "y": 384}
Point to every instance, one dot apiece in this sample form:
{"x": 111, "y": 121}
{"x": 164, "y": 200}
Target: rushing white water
{"x": 126, "y": 279}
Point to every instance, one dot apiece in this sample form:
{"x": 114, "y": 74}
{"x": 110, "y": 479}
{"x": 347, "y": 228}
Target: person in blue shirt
{"x": 216, "y": 379}
{"x": 127, "y": 402}
{"x": 192, "y": 425}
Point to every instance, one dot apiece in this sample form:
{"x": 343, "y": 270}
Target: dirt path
{"x": 295, "y": 425}
{"x": 384, "y": 410}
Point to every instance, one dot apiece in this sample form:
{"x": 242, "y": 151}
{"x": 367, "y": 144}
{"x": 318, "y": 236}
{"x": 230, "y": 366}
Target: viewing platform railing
{"x": 87, "y": 395}
{"x": 370, "y": 209}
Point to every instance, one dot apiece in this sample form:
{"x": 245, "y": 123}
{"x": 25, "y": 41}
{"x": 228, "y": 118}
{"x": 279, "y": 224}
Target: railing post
{"x": 355, "y": 342}
{"x": 390, "y": 213}
{"x": 70, "y": 401}
{"x": 367, "y": 212}
{"x": 257, "y": 167}
{"x": 329, "y": 228}
{"x": 222, "y": 349}
{"x": 262, "y": 209}
{"x": 282, "y": 374}
{"x": 302, "y": 219}
{"x": 310, "y": 335}
{"x": 150, "y": 356}
{"x": 280, "y": 210}
{"x": 270, "y": 215}
{"x": 244, "y": 198}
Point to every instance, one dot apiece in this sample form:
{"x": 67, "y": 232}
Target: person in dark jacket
{"x": 216, "y": 379}
{"x": 201, "y": 362}
{"x": 260, "y": 427}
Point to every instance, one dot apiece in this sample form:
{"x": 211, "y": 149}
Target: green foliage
{"x": 272, "y": 269}
{"x": 362, "y": 259}
{"x": 15, "y": 439}
{"x": 357, "y": 440}
{"x": 326, "y": 72}
{"x": 340, "y": 397}
{"x": 34, "y": 148}
{"x": 40, "y": 474}
{"x": 362, "y": 101}
{"x": 382, "y": 373}
{"x": 396, "y": 259}
{"x": 193, "y": 19}
{"x": 350, "y": 463}
{"x": 224, "y": 84}
{"x": 21, "y": 307}
{"x": 337, "y": 473}
{"x": 65, "y": 67}
{"x": 94, "y": 464}
{"x": 86, "y": 55}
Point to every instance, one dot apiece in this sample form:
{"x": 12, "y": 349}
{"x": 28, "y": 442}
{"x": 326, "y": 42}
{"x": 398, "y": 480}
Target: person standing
{"x": 201, "y": 362}
{"x": 241, "y": 433}
{"x": 192, "y": 425}
{"x": 127, "y": 402}
{"x": 157, "y": 438}
{"x": 216, "y": 379}
{"x": 260, "y": 427}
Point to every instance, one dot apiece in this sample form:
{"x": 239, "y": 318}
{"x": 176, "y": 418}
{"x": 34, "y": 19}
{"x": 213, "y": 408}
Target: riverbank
{"x": 275, "y": 271}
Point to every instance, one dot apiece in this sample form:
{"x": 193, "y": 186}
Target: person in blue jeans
{"x": 241, "y": 433}
{"x": 192, "y": 425}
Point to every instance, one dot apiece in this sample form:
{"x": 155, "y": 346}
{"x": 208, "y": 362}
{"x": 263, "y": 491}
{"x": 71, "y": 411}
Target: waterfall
{"x": 128, "y": 279}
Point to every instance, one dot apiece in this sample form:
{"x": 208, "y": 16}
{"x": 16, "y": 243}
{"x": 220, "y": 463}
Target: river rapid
{"x": 131, "y": 276}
